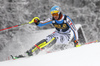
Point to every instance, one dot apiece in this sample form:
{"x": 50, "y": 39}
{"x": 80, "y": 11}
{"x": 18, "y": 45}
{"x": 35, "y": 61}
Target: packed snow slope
{"x": 86, "y": 55}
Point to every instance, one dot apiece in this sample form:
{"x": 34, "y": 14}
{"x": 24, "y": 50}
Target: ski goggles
{"x": 55, "y": 14}
{"x": 54, "y": 11}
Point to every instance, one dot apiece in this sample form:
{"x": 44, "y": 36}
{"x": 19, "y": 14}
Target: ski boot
{"x": 29, "y": 53}
{"x": 22, "y": 56}
{"x": 17, "y": 57}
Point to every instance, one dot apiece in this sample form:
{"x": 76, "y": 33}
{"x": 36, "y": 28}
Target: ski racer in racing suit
{"x": 63, "y": 25}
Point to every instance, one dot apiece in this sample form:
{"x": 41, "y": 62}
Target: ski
{"x": 17, "y": 57}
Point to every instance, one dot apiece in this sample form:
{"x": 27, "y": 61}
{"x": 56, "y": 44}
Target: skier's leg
{"x": 40, "y": 45}
{"x": 50, "y": 39}
{"x": 35, "y": 47}
{"x": 63, "y": 40}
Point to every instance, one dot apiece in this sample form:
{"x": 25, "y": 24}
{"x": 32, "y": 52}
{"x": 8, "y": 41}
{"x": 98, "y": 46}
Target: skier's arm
{"x": 45, "y": 22}
{"x": 39, "y": 23}
{"x": 72, "y": 26}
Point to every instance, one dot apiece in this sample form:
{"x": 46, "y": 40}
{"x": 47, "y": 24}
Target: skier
{"x": 63, "y": 25}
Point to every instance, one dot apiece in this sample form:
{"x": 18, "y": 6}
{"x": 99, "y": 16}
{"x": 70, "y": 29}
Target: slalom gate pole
{"x": 92, "y": 42}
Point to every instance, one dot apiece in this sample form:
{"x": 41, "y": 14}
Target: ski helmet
{"x": 55, "y": 9}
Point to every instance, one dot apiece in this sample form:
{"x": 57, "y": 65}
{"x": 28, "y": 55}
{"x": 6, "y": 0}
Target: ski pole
{"x": 8, "y": 28}
{"x": 17, "y": 25}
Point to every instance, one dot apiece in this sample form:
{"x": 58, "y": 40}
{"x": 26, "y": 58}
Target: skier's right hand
{"x": 36, "y": 20}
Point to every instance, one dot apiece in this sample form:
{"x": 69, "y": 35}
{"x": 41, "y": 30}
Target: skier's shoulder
{"x": 69, "y": 19}
{"x": 67, "y": 16}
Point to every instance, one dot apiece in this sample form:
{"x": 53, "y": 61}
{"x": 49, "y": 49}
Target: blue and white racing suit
{"x": 63, "y": 30}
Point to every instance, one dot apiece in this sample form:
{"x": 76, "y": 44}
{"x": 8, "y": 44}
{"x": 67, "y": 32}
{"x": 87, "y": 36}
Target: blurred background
{"x": 15, "y": 12}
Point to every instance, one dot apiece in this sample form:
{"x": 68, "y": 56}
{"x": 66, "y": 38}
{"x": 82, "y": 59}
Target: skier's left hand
{"x": 76, "y": 43}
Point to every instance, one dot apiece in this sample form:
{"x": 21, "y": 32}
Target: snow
{"x": 86, "y": 55}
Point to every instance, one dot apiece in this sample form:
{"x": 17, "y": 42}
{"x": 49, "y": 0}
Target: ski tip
{"x": 11, "y": 56}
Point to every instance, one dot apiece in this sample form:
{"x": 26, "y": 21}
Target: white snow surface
{"x": 86, "y": 55}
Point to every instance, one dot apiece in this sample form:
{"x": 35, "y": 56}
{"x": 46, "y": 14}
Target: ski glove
{"x": 76, "y": 43}
{"x": 36, "y": 20}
